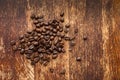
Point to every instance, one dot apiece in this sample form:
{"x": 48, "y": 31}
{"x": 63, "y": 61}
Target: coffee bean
{"x": 28, "y": 56}
{"x": 14, "y": 48}
{"x": 22, "y": 51}
{"x": 45, "y": 63}
{"x": 78, "y": 58}
{"x": 36, "y": 59}
{"x": 62, "y": 14}
{"x": 72, "y": 43}
{"x": 29, "y": 31}
{"x": 32, "y": 62}
{"x": 35, "y": 43}
{"x": 62, "y": 19}
{"x": 41, "y": 17}
{"x": 51, "y": 70}
{"x": 32, "y": 16}
{"x": 21, "y": 37}
{"x": 66, "y": 30}
{"x": 62, "y": 72}
{"x": 54, "y": 56}
{"x": 85, "y": 38}
{"x": 12, "y": 43}
{"x": 31, "y": 47}
{"x": 67, "y": 25}
{"x": 76, "y": 30}
{"x": 29, "y": 51}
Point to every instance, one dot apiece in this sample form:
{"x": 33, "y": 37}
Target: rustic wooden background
{"x": 99, "y": 20}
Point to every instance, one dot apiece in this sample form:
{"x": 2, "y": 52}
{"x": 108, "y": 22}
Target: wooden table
{"x": 98, "y": 20}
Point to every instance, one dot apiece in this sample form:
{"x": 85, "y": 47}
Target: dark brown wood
{"x": 97, "y": 20}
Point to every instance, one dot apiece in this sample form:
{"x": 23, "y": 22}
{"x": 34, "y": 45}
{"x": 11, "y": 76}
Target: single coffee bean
{"x": 29, "y": 52}
{"x": 45, "y": 63}
{"x": 63, "y": 72}
{"x": 62, "y": 14}
{"x": 62, "y": 19}
{"x": 32, "y": 62}
{"x": 32, "y": 16}
{"x": 66, "y": 30}
{"x": 35, "y": 43}
{"x": 67, "y": 25}
{"x": 85, "y": 38}
{"x": 28, "y": 56}
{"x": 72, "y": 43}
{"x": 36, "y": 59}
{"x": 14, "y": 48}
{"x": 22, "y": 51}
{"x": 76, "y": 30}
{"x": 41, "y": 17}
{"x": 78, "y": 58}
{"x": 12, "y": 43}
{"x": 21, "y": 37}
{"x": 31, "y": 47}
{"x": 51, "y": 70}
{"x": 29, "y": 31}
{"x": 54, "y": 56}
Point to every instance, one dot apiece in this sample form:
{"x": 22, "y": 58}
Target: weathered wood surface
{"x": 99, "y": 20}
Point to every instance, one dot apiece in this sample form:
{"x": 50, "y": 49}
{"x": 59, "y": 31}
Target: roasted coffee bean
{"x": 37, "y": 25}
{"x": 63, "y": 51}
{"x": 35, "y": 22}
{"x": 14, "y": 48}
{"x": 41, "y": 56}
{"x": 26, "y": 35}
{"x": 46, "y": 24}
{"x": 41, "y": 17}
{"x": 54, "y": 56}
{"x": 62, "y": 14}
{"x": 62, "y": 72}
{"x": 29, "y": 52}
{"x": 28, "y": 43}
{"x": 29, "y": 31}
{"x": 22, "y": 41}
{"x": 76, "y": 30}
{"x": 72, "y": 43}
{"x": 62, "y": 19}
{"x": 21, "y": 37}
{"x": 36, "y": 37}
{"x": 31, "y": 47}
{"x": 28, "y": 56}
{"x": 32, "y": 16}
{"x": 78, "y": 58}
{"x": 32, "y": 62}
{"x": 36, "y": 59}
{"x": 66, "y": 38}
{"x": 85, "y": 38}
{"x": 61, "y": 29}
{"x": 22, "y": 51}
{"x": 51, "y": 70}
{"x": 67, "y": 25}
{"x": 12, "y": 43}
{"x": 66, "y": 30}
{"x": 54, "y": 30}
{"x": 45, "y": 63}
{"x": 35, "y": 43}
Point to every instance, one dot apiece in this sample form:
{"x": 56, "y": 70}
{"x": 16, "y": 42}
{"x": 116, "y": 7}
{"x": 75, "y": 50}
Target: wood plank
{"x": 76, "y": 19}
{"x": 92, "y": 47}
{"x": 106, "y": 25}
{"x": 13, "y": 18}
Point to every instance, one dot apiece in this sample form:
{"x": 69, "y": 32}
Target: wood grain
{"x": 98, "y": 20}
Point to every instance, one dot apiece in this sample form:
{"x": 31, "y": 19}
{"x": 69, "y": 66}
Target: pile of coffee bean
{"x": 45, "y": 41}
